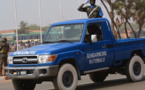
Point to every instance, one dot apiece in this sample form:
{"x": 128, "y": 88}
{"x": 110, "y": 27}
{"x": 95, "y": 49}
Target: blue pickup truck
{"x": 74, "y": 48}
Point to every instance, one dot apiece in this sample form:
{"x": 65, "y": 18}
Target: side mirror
{"x": 94, "y": 38}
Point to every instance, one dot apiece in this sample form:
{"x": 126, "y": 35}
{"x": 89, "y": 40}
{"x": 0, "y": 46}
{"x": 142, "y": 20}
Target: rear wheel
{"x": 135, "y": 69}
{"x": 66, "y": 79}
{"x": 23, "y": 84}
{"x": 98, "y": 76}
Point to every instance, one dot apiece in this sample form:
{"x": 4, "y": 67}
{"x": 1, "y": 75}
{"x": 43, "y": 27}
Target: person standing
{"x": 4, "y": 49}
{"x": 93, "y": 11}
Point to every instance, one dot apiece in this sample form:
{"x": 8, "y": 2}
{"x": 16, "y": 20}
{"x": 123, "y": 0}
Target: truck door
{"x": 98, "y": 54}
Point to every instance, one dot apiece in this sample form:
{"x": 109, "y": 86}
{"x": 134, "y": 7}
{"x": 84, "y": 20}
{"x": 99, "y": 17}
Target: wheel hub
{"x": 137, "y": 68}
{"x": 67, "y": 78}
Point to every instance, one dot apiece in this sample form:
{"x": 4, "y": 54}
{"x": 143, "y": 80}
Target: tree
{"x": 127, "y": 11}
{"x": 34, "y": 27}
{"x": 111, "y": 14}
{"x": 45, "y": 28}
{"x": 139, "y": 17}
{"x": 123, "y": 9}
{"x": 119, "y": 24}
{"x": 23, "y": 27}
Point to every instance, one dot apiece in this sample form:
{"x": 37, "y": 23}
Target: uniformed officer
{"x": 4, "y": 49}
{"x": 93, "y": 11}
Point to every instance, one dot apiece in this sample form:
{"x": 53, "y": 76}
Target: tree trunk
{"x": 106, "y": 8}
{"x": 126, "y": 30}
{"x": 140, "y": 29}
{"x": 113, "y": 31}
{"x": 132, "y": 29}
{"x": 111, "y": 17}
{"x": 118, "y": 33}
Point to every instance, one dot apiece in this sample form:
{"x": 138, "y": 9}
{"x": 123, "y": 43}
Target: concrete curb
{"x": 3, "y": 78}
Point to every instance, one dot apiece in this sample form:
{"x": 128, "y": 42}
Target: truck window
{"x": 93, "y": 29}
{"x": 72, "y": 33}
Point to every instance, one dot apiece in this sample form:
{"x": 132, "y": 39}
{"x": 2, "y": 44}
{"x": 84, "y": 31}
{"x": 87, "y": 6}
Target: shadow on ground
{"x": 105, "y": 84}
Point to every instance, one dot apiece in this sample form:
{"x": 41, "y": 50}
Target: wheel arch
{"x": 73, "y": 62}
{"x": 137, "y": 52}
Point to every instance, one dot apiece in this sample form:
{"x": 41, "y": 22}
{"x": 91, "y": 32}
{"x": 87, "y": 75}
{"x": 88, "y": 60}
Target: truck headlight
{"x": 10, "y": 60}
{"x": 46, "y": 58}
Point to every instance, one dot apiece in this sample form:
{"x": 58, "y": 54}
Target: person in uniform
{"x": 93, "y": 11}
{"x": 4, "y": 49}
{"x": 93, "y": 29}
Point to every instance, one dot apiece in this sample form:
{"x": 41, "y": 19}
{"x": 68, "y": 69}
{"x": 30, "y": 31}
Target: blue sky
{"x": 28, "y": 11}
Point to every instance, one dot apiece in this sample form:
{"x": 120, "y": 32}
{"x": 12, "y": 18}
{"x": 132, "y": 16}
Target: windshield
{"x": 64, "y": 33}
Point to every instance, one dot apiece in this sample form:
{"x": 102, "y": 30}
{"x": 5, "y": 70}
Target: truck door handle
{"x": 89, "y": 49}
{"x": 103, "y": 46}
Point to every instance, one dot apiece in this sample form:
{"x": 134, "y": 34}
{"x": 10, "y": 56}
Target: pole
{"x": 100, "y": 3}
{"x": 60, "y": 10}
{"x": 16, "y": 22}
{"x": 80, "y": 12}
{"x": 39, "y": 2}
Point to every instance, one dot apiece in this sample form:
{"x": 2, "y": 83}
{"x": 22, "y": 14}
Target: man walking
{"x": 4, "y": 49}
{"x": 93, "y": 11}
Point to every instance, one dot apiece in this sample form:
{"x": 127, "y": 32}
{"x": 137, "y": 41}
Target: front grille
{"x": 25, "y": 60}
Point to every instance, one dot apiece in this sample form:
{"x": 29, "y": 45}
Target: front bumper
{"x": 31, "y": 72}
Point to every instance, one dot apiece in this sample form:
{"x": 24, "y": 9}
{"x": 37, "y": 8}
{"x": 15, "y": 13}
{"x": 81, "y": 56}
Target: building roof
{"x": 34, "y": 31}
{"x": 12, "y": 31}
{"x": 7, "y": 31}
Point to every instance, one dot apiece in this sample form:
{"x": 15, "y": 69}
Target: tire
{"x": 135, "y": 69}
{"x": 23, "y": 84}
{"x": 98, "y": 76}
{"x": 66, "y": 78}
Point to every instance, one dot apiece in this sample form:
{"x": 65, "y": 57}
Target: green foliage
{"x": 23, "y": 27}
{"x": 33, "y": 27}
{"x": 45, "y": 28}
{"x": 36, "y": 27}
{"x": 139, "y": 16}
{"x": 127, "y": 11}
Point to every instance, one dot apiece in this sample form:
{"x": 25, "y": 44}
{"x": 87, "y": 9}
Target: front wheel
{"x": 20, "y": 84}
{"x": 135, "y": 69}
{"x": 66, "y": 79}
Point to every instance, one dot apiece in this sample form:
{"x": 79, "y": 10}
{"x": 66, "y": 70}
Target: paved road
{"x": 113, "y": 82}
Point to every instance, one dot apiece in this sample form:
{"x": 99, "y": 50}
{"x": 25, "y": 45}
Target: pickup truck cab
{"x": 74, "y": 48}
